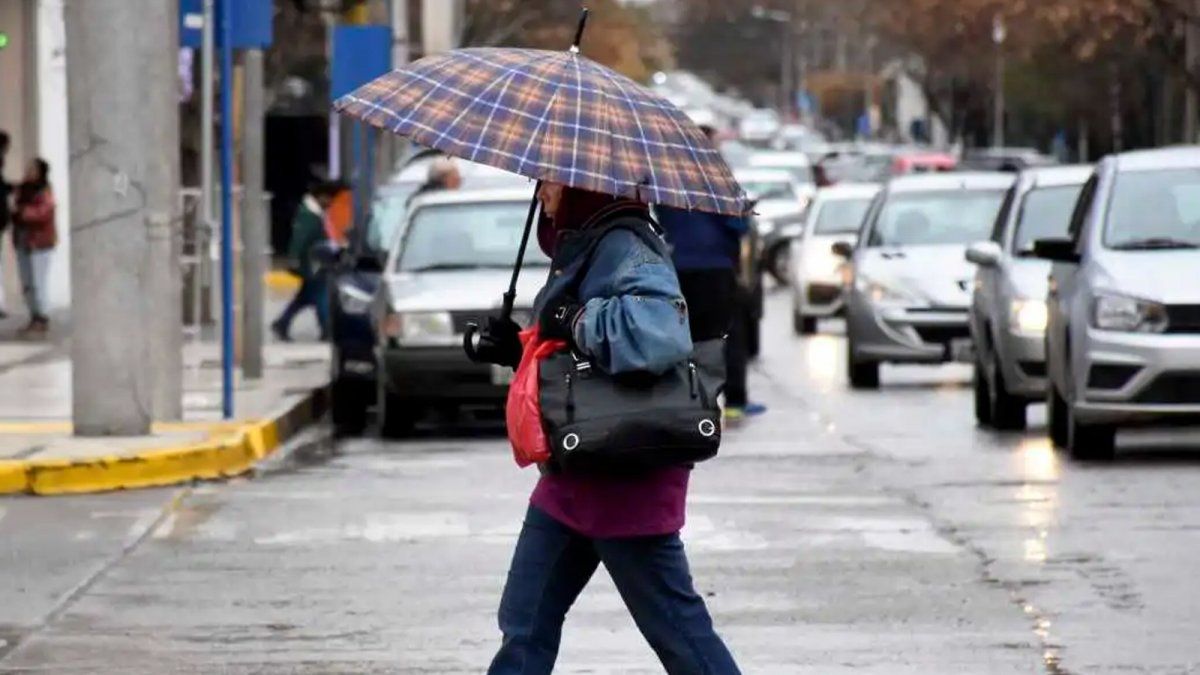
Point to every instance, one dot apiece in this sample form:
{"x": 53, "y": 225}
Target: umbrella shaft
{"x": 511, "y": 295}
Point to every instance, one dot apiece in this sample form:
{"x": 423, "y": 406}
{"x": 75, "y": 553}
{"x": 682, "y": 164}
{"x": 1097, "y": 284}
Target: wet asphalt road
{"x": 877, "y": 533}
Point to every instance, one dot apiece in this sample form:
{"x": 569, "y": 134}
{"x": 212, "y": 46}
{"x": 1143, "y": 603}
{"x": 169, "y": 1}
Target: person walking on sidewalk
{"x": 629, "y": 317}
{"x": 308, "y": 230}
{"x": 706, "y": 249}
{"x": 34, "y": 238}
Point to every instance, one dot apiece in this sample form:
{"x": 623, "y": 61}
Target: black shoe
{"x": 280, "y": 333}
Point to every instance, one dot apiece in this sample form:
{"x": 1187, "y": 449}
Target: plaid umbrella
{"x": 553, "y": 116}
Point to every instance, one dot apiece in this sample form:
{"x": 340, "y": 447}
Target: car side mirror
{"x": 843, "y": 249}
{"x": 984, "y": 253}
{"x": 1056, "y": 250}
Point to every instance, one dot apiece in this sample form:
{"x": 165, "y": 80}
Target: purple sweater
{"x": 605, "y": 508}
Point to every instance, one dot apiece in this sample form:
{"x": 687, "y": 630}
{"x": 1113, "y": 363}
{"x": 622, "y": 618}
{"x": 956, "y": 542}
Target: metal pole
{"x": 124, "y": 155}
{"x": 207, "y": 48}
{"x": 226, "y": 209}
{"x": 999, "y": 33}
{"x": 1191, "y": 113}
{"x": 254, "y": 226}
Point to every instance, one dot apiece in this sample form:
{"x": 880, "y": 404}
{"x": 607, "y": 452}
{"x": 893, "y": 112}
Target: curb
{"x": 281, "y": 281}
{"x": 230, "y": 453}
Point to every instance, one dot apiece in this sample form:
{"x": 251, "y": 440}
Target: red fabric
{"x": 523, "y": 411}
{"x": 35, "y": 222}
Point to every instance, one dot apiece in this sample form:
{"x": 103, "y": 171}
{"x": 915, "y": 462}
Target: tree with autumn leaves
{"x": 1113, "y": 73}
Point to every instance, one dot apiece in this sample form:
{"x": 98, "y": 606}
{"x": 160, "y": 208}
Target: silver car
{"x": 1008, "y": 308}
{"x": 448, "y": 268}
{"x": 816, "y": 271}
{"x": 909, "y": 285}
{"x": 1123, "y": 338}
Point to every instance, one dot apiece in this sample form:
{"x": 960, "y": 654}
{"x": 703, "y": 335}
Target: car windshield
{"x": 841, "y": 216}
{"x": 767, "y": 189}
{"x": 386, "y": 215}
{"x": 924, "y": 218}
{"x": 1155, "y": 210}
{"x": 466, "y": 236}
{"x": 1045, "y": 214}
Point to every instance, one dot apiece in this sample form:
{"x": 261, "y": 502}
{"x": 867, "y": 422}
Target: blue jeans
{"x": 313, "y": 294}
{"x": 551, "y": 566}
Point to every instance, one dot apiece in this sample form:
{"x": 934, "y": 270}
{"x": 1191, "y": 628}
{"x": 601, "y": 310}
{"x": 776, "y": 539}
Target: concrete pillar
{"x": 124, "y": 138}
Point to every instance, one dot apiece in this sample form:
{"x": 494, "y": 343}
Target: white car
{"x": 816, "y": 271}
{"x": 778, "y": 211}
{"x": 447, "y": 268}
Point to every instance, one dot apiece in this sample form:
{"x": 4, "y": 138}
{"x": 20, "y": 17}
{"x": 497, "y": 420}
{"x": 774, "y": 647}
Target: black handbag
{"x": 630, "y": 423}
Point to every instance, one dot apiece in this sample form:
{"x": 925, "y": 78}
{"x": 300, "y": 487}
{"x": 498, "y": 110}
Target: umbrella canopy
{"x": 552, "y": 116}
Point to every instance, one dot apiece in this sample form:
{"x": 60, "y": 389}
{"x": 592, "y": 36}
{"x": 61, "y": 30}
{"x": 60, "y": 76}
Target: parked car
{"x": 779, "y": 203}
{"x": 794, "y": 162}
{"x": 816, "y": 272}
{"x": 759, "y": 126}
{"x": 447, "y": 268}
{"x": 1008, "y": 307}
{"x": 909, "y": 285}
{"x": 1006, "y": 159}
{"x": 1123, "y": 335}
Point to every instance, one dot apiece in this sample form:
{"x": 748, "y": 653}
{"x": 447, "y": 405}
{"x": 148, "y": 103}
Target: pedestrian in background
{"x": 308, "y": 230}
{"x": 34, "y": 238}
{"x": 706, "y": 250}
{"x": 5, "y": 191}
{"x": 628, "y": 317}
{"x": 443, "y": 175}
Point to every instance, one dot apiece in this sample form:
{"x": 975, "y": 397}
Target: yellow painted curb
{"x": 281, "y": 281}
{"x": 233, "y": 448}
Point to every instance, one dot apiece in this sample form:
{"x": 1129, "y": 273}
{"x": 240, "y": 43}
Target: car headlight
{"x": 821, "y": 263}
{"x": 1028, "y": 316}
{"x": 420, "y": 328}
{"x": 353, "y": 300}
{"x": 884, "y": 294}
{"x": 1128, "y": 315}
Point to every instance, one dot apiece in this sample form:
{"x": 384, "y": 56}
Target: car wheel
{"x": 862, "y": 374}
{"x": 349, "y": 407}
{"x": 1090, "y": 442}
{"x": 1008, "y": 411}
{"x": 397, "y": 416}
{"x": 778, "y": 264}
{"x": 983, "y": 398}
{"x": 1056, "y": 416}
{"x": 803, "y": 325}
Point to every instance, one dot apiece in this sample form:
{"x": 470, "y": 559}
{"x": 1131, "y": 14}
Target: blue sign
{"x": 360, "y": 54}
{"x": 251, "y": 23}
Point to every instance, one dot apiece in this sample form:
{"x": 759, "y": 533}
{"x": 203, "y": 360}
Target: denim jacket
{"x": 634, "y": 316}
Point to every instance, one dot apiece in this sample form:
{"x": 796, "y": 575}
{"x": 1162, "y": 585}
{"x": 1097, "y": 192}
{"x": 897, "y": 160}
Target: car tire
{"x": 1008, "y": 411}
{"x": 397, "y": 416}
{"x": 983, "y": 397}
{"x": 348, "y": 409}
{"x": 1056, "y": 416}
{"x": 862, "y": 374}
{"x": 803, "y": 325}
{"x": 1091, "y": 442}
{"x": 778, "y": 263}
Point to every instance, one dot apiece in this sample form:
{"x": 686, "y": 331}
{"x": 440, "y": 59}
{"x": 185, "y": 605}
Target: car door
{"x": 1062, "y": 295}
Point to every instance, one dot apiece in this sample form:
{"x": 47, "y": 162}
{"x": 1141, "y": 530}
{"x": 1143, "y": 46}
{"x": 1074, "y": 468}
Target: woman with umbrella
{"x": 600, "y": 147}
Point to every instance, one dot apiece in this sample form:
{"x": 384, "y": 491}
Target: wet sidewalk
{"x": 36, "y": 433}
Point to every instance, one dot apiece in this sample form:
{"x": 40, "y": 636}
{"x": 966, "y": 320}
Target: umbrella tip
{"x": 583, "y": 17}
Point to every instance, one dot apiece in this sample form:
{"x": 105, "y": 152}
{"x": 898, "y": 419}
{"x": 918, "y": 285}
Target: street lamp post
{"x": 784, "y": 19}
{"x": 999, "y": 35}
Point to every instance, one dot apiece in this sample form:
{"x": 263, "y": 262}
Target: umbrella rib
{"x": 641, "y": 130}
{"x": 578, "y": 113}
{"x": 537, "y": 130}
{"x": 512, "y": 73}
{"x": 696, "y": 158}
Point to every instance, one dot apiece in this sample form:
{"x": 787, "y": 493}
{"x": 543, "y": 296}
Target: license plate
{"x": 501, "y": 375}
{"x": 962, "y": 350}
